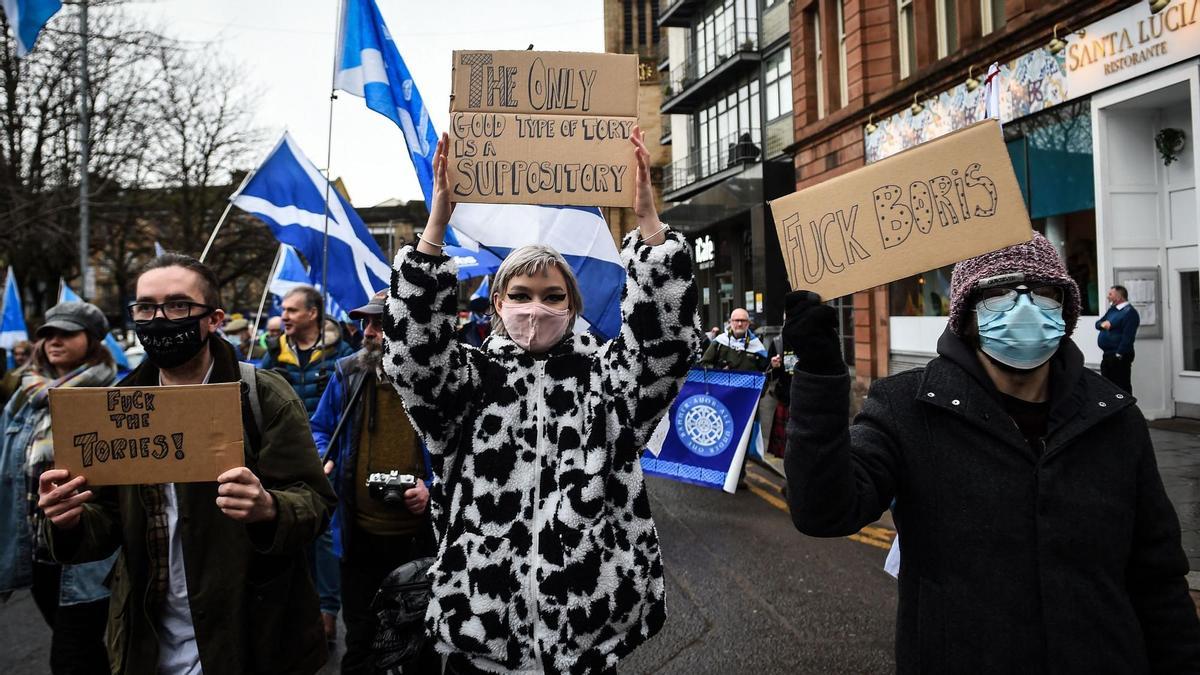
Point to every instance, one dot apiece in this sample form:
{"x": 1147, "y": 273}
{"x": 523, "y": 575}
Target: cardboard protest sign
{"x": 144, "y": 435}
{"x": 936, "y": 204}
{"x": 543, "y": 128}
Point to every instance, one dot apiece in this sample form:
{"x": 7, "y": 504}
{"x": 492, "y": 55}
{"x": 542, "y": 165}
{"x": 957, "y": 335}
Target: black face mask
{"x": 170, "y": 344}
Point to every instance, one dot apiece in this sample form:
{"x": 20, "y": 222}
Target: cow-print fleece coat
{"x": 550, "y": 561}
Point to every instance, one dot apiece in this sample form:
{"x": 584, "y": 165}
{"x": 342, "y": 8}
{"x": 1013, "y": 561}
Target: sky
{"x": 285, "y": 48}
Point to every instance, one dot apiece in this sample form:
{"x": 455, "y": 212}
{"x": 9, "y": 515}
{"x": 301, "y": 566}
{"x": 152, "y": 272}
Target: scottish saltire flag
{"x": 289, "y": 273}
{"x": 288, "y": 193}
{"x": 472, "y": 264}
{"x": 705, "y": 435}
{"x": 579, "y": 233}
{"x": 65, "y": 294}
{"x": 369, "y": 65}
{"x": 26, "y": 19}
{"x": 484, "y": 290}
{"x": 12, "y": 322}
{"x": 158, "y": 249}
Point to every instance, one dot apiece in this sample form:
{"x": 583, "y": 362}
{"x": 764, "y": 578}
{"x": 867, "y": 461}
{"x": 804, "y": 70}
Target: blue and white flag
{"x": 484, "y": 291}
{"x": 472, "y": 264}
{"x": 288, "y": 193}
{"x": 26, "y": 18}
{"x": 369, "y": 65}
{"x": 704, "y": 437}
{"x": 289, "y": 273}
{"x": 158, "y": 249}
{"x": 12, "y": 322}
{"x": 579, "y": 233}
{"x": 65, "y": 294}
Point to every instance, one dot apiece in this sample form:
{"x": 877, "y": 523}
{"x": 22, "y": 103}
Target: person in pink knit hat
{"x": 1036, "y": 533}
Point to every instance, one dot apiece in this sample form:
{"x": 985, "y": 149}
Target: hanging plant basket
{"x": 1170, "y": 143}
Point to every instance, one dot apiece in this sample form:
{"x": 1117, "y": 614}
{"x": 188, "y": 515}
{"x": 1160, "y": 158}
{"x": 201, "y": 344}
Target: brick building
{"x": 1086, "y": 88}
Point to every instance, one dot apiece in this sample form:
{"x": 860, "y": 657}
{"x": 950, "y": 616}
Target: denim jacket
{"x": 80, "y": 583}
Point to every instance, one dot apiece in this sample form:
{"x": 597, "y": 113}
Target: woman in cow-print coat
{"x": 549, "y": 561}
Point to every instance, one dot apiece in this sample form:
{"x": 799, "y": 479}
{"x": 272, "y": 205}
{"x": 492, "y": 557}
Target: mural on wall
{"x": 1031, "y": 83}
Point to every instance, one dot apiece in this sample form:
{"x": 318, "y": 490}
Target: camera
{"x": 390, "y": 487}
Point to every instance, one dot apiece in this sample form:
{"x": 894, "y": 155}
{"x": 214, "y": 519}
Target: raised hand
{"x": 643, "y": 200}
{"x": 442, "y": 207}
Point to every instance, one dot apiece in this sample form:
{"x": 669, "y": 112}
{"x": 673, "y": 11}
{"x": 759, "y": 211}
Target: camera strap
{"x": 346, "y": 414}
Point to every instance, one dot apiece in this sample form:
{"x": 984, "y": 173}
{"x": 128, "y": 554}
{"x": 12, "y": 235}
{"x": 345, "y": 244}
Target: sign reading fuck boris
{"x": 543, "y": 128}
{"x": 941, "y": 202}
{"x": 145, "y": 435}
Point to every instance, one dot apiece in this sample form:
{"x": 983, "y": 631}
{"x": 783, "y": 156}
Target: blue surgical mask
{"x": 1023, "y": 337}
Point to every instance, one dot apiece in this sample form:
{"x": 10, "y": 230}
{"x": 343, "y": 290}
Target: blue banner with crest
{"x": 703, "y": 438}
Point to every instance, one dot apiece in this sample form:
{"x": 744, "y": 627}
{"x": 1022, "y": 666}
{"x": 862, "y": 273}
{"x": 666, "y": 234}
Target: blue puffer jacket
{"x": 80, "y": 583}
{"x": 310, "y": 381}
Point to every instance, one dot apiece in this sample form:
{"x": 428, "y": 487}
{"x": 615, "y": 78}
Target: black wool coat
{"x": 1012, "y": 561}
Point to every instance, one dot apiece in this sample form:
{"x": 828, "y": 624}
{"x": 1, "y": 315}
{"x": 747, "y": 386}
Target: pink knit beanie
{"x": 1036, "y": 259}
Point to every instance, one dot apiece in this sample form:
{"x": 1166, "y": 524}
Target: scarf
{"x": 39, "y": 453}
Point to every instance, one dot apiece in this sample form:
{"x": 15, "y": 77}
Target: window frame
{"x": 843, "y": 72}
{"x": 907, "y": 42}
{"x": 777, "y": 85}
{"x": 987, "y": 19}
{"x": 819, "y": 60}
{"x": 943, "y": 11}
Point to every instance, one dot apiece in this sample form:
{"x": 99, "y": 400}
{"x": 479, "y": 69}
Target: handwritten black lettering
{"x": 941, "y": 186}
{"x": 895, "y": 217}
{"x": 972, "y": 179}
{"x": 86, "y": 444}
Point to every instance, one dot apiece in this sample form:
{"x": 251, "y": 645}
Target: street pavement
{"x": 746, "y": 593}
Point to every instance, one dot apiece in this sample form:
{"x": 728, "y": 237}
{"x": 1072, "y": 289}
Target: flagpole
{"x": 328, "y": 159}
{"x": 85, "y": 150}
{"x": 262, "y": 302}
{"x": 225, "y": 214}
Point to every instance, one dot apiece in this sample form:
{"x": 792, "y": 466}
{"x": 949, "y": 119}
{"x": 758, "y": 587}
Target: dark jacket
{"x": 1011, "y": 562}
{"x": 728, "y": 352}
{"x": 340, "y": 400}
{"x": 309, "y": 382}
{"x": 1124, "y": 326}
{"x": 253, "y": 605}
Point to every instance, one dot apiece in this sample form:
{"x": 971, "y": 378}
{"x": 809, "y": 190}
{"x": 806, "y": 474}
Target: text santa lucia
{"x": 1117, "y": 43}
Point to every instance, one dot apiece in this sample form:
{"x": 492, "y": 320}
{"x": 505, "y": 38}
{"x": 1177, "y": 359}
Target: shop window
{"x": 1051, "y": 154}
{"x": 992, "y": 15}
{"x": 843, "y": 77}
{"x": 777, "y": 85}
{"x": 845, "y": 313}
{"x": 947, "y": 27}
{"x": 908, "y": 33}
{"x": 1189, "y": 284}
{"x": 818, "y": 60}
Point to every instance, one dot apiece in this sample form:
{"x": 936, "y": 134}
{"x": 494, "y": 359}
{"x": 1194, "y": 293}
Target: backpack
{"x": 248, "y": 375}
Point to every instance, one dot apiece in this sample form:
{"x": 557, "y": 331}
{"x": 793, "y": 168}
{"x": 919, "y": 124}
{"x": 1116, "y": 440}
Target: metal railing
{"x": 739, "y": 37}
{"x": 740, "y": 147}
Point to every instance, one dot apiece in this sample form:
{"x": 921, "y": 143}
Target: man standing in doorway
{"x": 1118, "y": 328}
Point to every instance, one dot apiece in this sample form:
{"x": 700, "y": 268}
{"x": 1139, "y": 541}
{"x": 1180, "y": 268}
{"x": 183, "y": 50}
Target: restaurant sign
{"x": 1131, "y": 43}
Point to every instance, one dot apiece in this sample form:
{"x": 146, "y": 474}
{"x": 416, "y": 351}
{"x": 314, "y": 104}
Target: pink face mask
{"x": 534, "y": 326}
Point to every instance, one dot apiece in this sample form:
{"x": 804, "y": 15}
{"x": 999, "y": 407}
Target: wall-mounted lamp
{"x": 1157, "y": 6}
{"x": 916, "y": 107}
{"x": 972, "y": 83}
{"x": 1056, "y": 43}
{"x": 871, "y": 126}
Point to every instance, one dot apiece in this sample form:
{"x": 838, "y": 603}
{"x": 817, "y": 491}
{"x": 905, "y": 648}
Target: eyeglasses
{"x": 1004, "y": 299}
{"x": 376, "y": 320}
{"x": 173, "y": 310}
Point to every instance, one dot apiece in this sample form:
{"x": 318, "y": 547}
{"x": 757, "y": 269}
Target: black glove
{"x": 810, "y": 332}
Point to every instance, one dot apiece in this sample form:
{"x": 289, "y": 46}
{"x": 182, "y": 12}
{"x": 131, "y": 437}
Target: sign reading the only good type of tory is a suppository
{"x": 145, "y": 435}
{"x": 936, "y": 204}
{"x": 543, "y": 128}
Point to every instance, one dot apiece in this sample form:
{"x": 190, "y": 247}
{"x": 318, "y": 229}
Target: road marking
{"x": 879, "y": 537}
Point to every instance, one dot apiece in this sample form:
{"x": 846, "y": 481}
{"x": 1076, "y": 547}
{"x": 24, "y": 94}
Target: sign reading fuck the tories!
{"x": 936, "y": 204}
{"x": 543, "y": 128}
{"x": 144, "y": 435}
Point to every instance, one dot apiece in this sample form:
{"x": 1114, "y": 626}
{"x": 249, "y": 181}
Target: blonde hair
{"x": 529, "y": 261}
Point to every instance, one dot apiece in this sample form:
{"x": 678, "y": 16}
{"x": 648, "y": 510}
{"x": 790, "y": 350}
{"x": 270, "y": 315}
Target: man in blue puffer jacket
{"x": 307, "y": 358}
{"x": 1118, "y": 328}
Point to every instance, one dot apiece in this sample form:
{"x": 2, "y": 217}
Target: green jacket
{"x": 253, "y": 603}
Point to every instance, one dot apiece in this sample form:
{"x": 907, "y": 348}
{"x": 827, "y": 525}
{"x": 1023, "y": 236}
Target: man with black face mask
{"x": 1035, "y": 532}
{"x": 211, "y": 575}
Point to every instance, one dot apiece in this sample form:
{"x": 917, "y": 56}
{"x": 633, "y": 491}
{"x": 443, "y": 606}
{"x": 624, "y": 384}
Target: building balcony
{"x": 664, "y": 55}
{"x": 731, "y": 55}
{"x": 707, "y": 165}
{"x": 679, "y": 13}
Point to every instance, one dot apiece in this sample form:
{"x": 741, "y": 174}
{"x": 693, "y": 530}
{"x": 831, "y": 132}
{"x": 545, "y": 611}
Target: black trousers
{"x": 77, "y": 631}
{"x": 369, "y": 560}
{"x": 457, "y": 664}
{"x": 1118, "y": 371}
